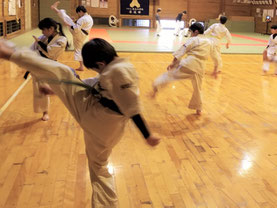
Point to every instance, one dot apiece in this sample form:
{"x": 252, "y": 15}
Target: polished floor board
{"x": 225, "y": 158}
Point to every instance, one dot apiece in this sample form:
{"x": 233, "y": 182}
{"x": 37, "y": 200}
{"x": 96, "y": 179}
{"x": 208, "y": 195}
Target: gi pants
{"x": 41, "y": 101}
{"x": 271, "y": 55}
{"x": 183, "y": 73}
{"x": 216, "y": 53}
{"x": 78, "y": 36}
{"x": 177, "y": 27}
{"x": 159, "y": 28}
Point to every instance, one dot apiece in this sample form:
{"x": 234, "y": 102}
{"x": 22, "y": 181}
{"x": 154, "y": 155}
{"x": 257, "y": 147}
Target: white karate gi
{"x": 102, "y": 126}
{"x": 55, "y": 48}
{"x": 192, "y": 67}
{"x": 79, "y": 37}
{"x": 158, "y": 24}
{"x": 218, "y": 31}
{"x": 271, "y": 53}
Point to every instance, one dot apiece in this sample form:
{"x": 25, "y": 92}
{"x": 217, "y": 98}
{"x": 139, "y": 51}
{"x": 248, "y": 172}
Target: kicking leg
{"x": 55, "y": 6}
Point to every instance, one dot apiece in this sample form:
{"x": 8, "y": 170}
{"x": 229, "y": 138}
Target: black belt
{"x": 109, "y": 104}
{"x": 105, "y": 101}
{"x": 85, "y": 32}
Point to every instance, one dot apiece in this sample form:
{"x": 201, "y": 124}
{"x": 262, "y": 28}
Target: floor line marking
{"x": 249, "y": 38}
{"x": 6, "y": 105}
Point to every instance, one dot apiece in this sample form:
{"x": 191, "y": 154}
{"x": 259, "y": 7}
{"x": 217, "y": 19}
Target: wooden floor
{"x": 225, "y": 158}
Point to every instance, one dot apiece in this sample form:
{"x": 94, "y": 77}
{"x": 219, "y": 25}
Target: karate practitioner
{"x": 158, "y": 22}
{"x": 79, "y": 30}
{"x": 50, "y": 45}
{"x": 270, "y": 52}
{"x": 179, "y": 19}
{"x": 198, "y": 49}
{"x": 218, "y": 31}
{"x": 102, "y": 110}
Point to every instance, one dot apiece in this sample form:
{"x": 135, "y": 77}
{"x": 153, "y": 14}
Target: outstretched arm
{"x": 209, "y": 30}
{"x": 141, "y": 124}
{"x": 229, "y": 39}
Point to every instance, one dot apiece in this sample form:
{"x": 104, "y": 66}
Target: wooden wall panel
{"x": 4, "y": 15}
{"x": 105, "y": 12}
{"x": 170, "y": 9}
{"x": 5, "y": 9}
{"x": 203, "y": 10}
{"x": 260, "y": 26}
{"x": 1, "y": 8}
{"x": 34, "y": 13}
{"x": 237, "y": 9}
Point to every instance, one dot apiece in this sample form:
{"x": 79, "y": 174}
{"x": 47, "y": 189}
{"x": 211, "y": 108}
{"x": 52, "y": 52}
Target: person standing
{"x": 218, "y": 31}
{"x": 198, "y": 49}
{"x": 50, "y": 45}
{"x": 102, "y": 110}
{"x": 79, "y": 30}
{"x": 179, "y": 19}
{"x": 158, "y": 22}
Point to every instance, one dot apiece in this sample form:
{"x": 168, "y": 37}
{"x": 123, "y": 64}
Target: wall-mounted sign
{"x": 134, "y": 7}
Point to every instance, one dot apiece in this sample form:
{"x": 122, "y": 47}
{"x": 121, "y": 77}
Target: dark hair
{"x": 274, "y": 27}
{"x": 159, "y": 9}
{"x": 184, "y": 12}
{"x": 223, "y": 19}
{"x": 49, "y": 22}
{"x": 81, "y": 8}
{"x": 197, "y": 26}
{"x": 97, "y": 50}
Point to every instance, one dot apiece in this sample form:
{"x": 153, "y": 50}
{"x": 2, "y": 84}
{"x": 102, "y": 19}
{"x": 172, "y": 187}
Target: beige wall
{"x": 28, "y": 23}
{"x": 201, "y": 10}
{"x": 46, "y": 11}
{"x": 34, "y": 13}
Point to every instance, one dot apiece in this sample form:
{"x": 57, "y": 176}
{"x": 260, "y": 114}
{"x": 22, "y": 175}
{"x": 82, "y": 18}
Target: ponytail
{"x": 62, "y": 33}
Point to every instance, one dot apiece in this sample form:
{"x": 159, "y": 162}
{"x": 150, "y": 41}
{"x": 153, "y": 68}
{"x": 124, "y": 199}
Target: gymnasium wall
{"x": 235, "y": 25}
{"x": 260, "y": 25}
{"x": 201, "y": 10}
{"x": 46, "y": 11}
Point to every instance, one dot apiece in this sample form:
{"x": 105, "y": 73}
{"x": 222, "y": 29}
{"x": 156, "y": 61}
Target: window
{"x": 13, "y": 26}
{"x": 136, "y": 23}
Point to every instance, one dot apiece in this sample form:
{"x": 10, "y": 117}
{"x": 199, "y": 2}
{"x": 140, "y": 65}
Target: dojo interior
{"x": 227, "y": 157}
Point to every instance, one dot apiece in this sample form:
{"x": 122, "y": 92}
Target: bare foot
{"x": 55, "y": 5}
{"x": 45, "y": 116}
{"x": 214, "y": 74}
{"x": 80, "y": 69}
{"x": 264, "y": 72}
{"x": 198, "y": 112}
